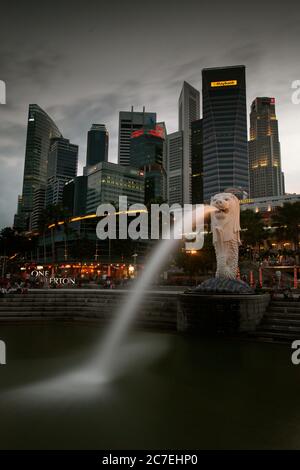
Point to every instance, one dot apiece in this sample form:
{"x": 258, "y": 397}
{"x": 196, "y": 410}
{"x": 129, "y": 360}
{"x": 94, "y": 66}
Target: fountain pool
{"x": 191, "y": 394}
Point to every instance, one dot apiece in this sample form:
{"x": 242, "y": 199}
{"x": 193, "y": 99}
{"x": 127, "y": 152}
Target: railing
{"x": 276, "y": 278}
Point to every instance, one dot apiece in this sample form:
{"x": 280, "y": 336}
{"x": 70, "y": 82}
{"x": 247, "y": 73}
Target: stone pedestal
{"x": 211, "y": 314}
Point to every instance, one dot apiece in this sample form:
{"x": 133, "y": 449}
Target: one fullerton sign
{"x": 52, "y": 280}
{"x": 223, "y": 83}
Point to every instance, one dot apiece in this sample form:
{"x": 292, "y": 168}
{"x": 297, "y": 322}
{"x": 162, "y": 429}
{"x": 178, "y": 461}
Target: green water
{"x": 190, "y": 393}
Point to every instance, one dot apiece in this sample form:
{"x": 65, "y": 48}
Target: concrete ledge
{"x": 201, "y": 313}
{"x": 158, "y": 309}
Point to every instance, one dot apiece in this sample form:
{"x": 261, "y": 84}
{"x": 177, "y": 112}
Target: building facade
{"x": 147, "y": 153}
{"x": 62, "y": 167}
{"x": 268, "y": 204}
{"x": 266, "y": 177}
{"x": 74, "y": 196}
{"x": 197, "y": 161}
{"x": 18, "y": 218}
{"x": 39, "y": 198}
{"x": 107, "y": 181}
{"x": 225, "y": 147}
{"x": 130, "y": 121}
{"x": 97, "y": 145}
{"x": 40, "y": 130}
{"x": 188, "y": 111}
{"x": 175, "y": 168}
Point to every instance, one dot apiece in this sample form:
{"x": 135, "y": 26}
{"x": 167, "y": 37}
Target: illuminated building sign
{"x": 137, "y": 133}
{"x": 158, "y": 131}
{"x": 272, "y": 100}
{"x": 223, "y": 83}
{"x": 246, "y": 201}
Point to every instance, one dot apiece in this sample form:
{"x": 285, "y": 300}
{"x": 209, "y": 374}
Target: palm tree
{"x": 14, "y": 246}
{"x": 253, "y": 231}
{"x": 201, "y": 261}
{"x": 287, "y": 223}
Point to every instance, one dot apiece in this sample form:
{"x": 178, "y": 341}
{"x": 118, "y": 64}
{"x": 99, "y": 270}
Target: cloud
{"x": 85, "y": 66}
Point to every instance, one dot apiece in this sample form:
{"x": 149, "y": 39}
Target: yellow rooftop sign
{"x": 223, "y": 83}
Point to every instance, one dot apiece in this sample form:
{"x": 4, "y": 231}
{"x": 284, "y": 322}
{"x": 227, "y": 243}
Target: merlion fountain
{"x": 222, "y": 303}
{"x": 225, "y": 224}
{"x": 225, "y": 227}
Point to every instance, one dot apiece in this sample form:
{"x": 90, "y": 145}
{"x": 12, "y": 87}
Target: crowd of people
{"x": 278, "y": 260}
{"x": 21, "y": 284}
{"x": 14, "y": 284}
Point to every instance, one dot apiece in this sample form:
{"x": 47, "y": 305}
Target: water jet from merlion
{"x": 103, "y": 367}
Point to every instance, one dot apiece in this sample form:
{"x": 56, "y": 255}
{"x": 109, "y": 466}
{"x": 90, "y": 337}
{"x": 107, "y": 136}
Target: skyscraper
{"x": 188, "y": 111}
{"x": 39, "y": 198}
{"x": 40, "y": 130}
{"x": 18, "y": 219}
{"x": 130, "y": 121}
{"x": 175, "y": 167}
{"x": 97, "y": 145}
{"x": 225, "y": 154}
{"x": 266, "y": 177}
{"x": 107, "y": 181}
{"x": 62, "y": 167}
{"x": 197, "y": 162}
{"x": 74, "y": 195}
{"x": 147, "y": 153}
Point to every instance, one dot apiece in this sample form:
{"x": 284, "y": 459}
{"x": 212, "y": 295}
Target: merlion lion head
{"x": 226, "y": 219}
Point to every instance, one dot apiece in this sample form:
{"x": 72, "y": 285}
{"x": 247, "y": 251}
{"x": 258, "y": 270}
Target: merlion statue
{"x": 225, "y": 226}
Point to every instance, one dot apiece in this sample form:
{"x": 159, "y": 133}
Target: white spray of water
{"x": 117, "y": 331}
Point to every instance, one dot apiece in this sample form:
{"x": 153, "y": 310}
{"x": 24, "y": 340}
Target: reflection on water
{"x": 82, "y": 379}
{"x": 192, "y": 394}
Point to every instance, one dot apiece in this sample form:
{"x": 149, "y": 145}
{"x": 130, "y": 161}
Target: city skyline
{"x": 77, "y": 88}
{"x": 82, "y": 162}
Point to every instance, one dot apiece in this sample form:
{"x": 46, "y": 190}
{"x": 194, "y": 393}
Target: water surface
{"x": 170, "y": 391}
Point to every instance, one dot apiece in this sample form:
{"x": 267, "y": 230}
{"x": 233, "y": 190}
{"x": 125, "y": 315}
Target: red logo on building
{"x": 158, "y": 131}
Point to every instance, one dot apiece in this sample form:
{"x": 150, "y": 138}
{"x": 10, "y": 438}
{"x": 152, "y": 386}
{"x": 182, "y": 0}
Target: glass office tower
{"x": 130, "y": 121}
{"x": 188, "y": 111}
{"x": 147, "y": 152}
{"x": 40, "y": 130}
{"x": 197, "y": 161}
{"x": 62, "y": 167}
{"x": 107, "y": 181}
{"x": 175, "y": 168}
{"x": 225, "y": 150}
{"x": 266, "y": 177}
{"x": 74, "y": 196}
{"x": 97, "y": 145}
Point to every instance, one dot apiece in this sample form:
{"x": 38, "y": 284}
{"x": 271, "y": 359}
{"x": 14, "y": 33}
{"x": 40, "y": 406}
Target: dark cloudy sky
{"x": 83, "y": 63}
